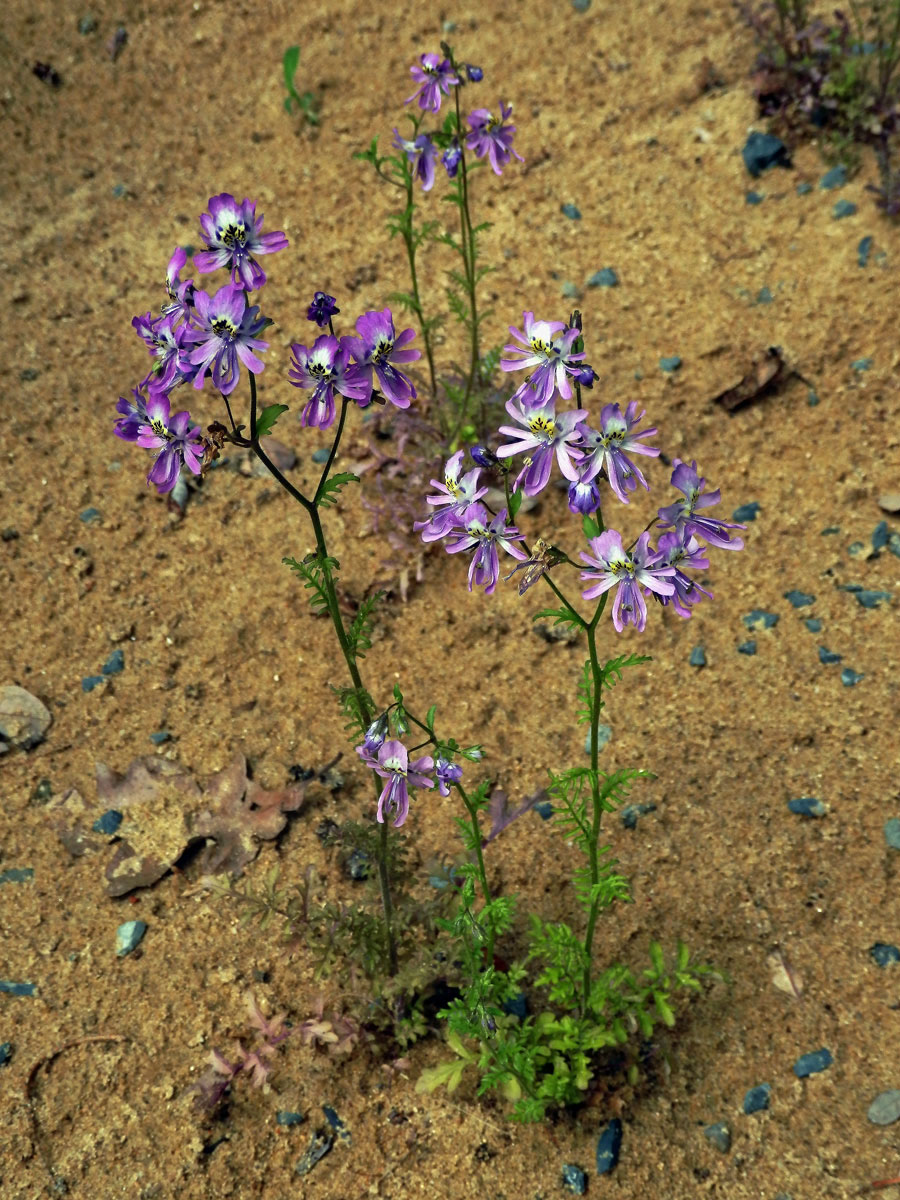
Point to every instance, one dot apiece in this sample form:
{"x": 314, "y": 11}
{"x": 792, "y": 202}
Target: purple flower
{"x": 491, "y": 137}
{"x": 232, "y": 233}
{"x": 484, "y": 456}
{"x": 484, "y": 569}
{"x": 424, "y": 153}
{"x": 629, "y": 573}
{"x": 544, "y": 435}
{"x": 585, "y": 376}
{"x": 678, "y": 550}
{"x": 374, "y": 737}
{"x": 546, "y": 346}
{"x": 474, "y": 74}
{"x": 446, "y": 773}
{"x": 454, "y": 496}
{"x": 435, "y": 75}
{"x": 226, "y": 335}
{"x": 377, "y": 349}
{"x": 451, "y": 158}
{"x": 181, "y": 295}
{"x": 326, "y": 369}
{"x": 393, "y": 765}
{"x": 584, "y": 497}
{"x": 174, "y": 439}
{"x": 682, "y": 515}
{"x": 322, "y": 309}
{"x": 169, "y": 347}
{"x": 606, "y": 449}
{"x": 133, "y": 416}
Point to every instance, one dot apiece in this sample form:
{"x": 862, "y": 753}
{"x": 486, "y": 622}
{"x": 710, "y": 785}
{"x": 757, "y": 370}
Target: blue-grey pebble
{"x": 697, "y": 657}
{"x": 799, "y": 599}
{"x": 834, "y": 178}
{"x": 335, "y": 1122}
{"x": 544, "y": 809}
{"x": 108, "y": 823}
{"x": 870, "y": 598}
{"x": 17, "y": 875}
{"x": 884, "y": 954}
{"x": 861, "y": 364}
{"x": 885, "y": 1108}
{"x": 570, "y": 291}
{"x": 669, "y": 363}
{"x": 762, "y": 151}
{"x": 746, "y": 512}
{"x": 813, "y": 1063}
{"x": 285, "y": 1117}
{"x": 894, "y": 544}
{"x": 605, "y": 277}
{"x": 570, "y": 211}
{"x": 829, "y": 657}
{"x": 748, "y": 648}
{"x": 13, "y": 988}
{"x": 89, "y": 516}
{"x": 720, "y": 1136}
{"x": 160, "y": 737}
{"x": 632, "y": 813}
{"x": 608, "y": 1146}
{"x": 760, "y": 619}
{"x": 574, "y": 1179}
{"x": 757, "y": 1098}
{"x": 764, "y": 296}
{"x": 5, "y": 1053}
{"x": 812, "y": 398}
{"x": 581, "y": 6}
{"x": 880, "y": 535}
{"x": 804, "y": 188}
{"x": 863, "y": 250}
{"x": 813, "y": 624}
{"x": 807, "y": 806}
{"x": 91, "y": 681}
{"x": 128, "y": 936}
{"x": 115, "y": 664}
{"x": 850, "y": 678}
{"x": 753, "y": 198}
{"x": 320, "y": 456}
{"x": 892, "y": 832}
{"x": 517, "y": 1006}
{"x": 604, "y": 733}
{"x": 843, "y": 208}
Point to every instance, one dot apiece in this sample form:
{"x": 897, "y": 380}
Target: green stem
{"x": 468, "y": 242}
{"x": 331, "y": 599}
{"x": 410, "y": 241}
{"x": 597, "y": 811}
{"x": 472, "y": 810}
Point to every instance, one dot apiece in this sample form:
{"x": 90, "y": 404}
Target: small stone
{"x": 812, "y": 399}
{"x": 87, "y": 25}
{"x": 813, "y": 624}
{"x": 720, "y": 1136}
{"x": 92, "y": 681}
{"x": 544, "y": 810}
{"x": 29, "y": 375}
{"x": 604, "y": 733}
{"x": 892, "y": 833}
{"x": 574, "y": 1179}
{"x": 869, "y": 598}
{"x": 813, "y": 1063}
{"x": 748, "y": 648}
{"x": 843, "y": 208}
{"x": 762, "y": 151}
{"x": 42, "y": 792}
{"x": 605, "y": 277}
{"x": 804, "y": 188}
{"x": 753, "y": 198}
{"x": 17, "y": 875}
{"x": 319, "y": 1145}
{"x": 884, "y": 955}
{"x": 759, "y": 619}
{"x": 128, "y": 936}
{"x": 863, "y": 250}
{"x": 358, "y": 865}
{"x": 581, "y": 6}
{"x": 108, "y": 823}
{"x": 764, "y": 296}
{"x": 449, "y": 26}
{"x": 517, "y": 1006}
{"x": 829, "y": 657}
{"x": 757, "y": 1098}
{"x": 321, "y": 456}
{"x": 24, "y": 720}
{"x": 800, "y": 599}
{"x": 286, "y": 1117}
{"x": 807, "y": 806}
{"x": 894, "y": 544}
{"x": 885, "y": 1108}
{"x": 880, "y": 536}
{"x": 697, "y": 657}
{"x": 631, "y": 814}
{"x": 89, "y": 516}
{"x": 670, "y": 363}
{"x": 570, "y": 211}
{"x": 834, "y": 178}
{"x": 861, "y": 364}
{"x": 608, "y": 1145}
{"x": 5, "y": 1053}
{"x": 160, "y": 737}
{"x": 335, "y": 1122}
{"x": 17, "y": 989}
{"x": 570, "y": 291}
{"x": 115, "y": 664}
{"x": 890, "y": 502}
{"x": 830, "y": 529}
{"x": 746, "y": 512}
{"x": 850, "y": 678}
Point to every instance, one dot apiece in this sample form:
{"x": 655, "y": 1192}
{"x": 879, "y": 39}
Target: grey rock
{"x": 885, "y": 1108}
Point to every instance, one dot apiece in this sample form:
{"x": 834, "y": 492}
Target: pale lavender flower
{"x": 423, "y": 153}
{"x": 181, "y": 294}
{"x": 683, "y": 550}
{"x": 605, "y": 449}
{"x": 133, "y": 415}
{"x": 233, "y": 234}
{"x": 175, "y": 441}
{"x": 547, "y": 347}
{"x": 374, "y": 737}
{"x": 169, "y": 347}
{"x": 226, "y": 335}
{"x": 446, "y": 773}
{"x": 453, "y": 496}
{"x": 545, "y": 433}
{"x": 614, "y": 567}
{"x": 393, "y": 765}
{"x": 484, "y": 536}
{"x": 377, "y": 349}
{"x": 584, "y": 496}
{"x": 435, "y": 75}
{"x": 326, "y": 369}
{"x": 491, "y": 137}
{"x": 451, "y": 158}
{"x": 682, "y": 515}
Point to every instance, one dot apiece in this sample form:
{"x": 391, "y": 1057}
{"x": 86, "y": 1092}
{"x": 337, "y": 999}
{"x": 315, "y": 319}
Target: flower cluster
{"x": 389, "y": 758}
{"x": 587, "y": 454}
